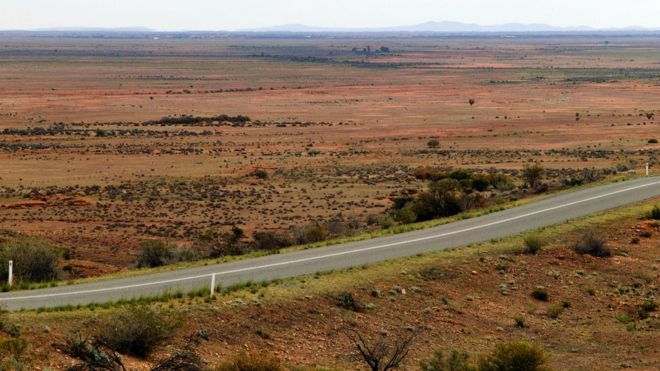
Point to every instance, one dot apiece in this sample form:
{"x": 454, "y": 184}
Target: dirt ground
{"x": 337, "y": 129}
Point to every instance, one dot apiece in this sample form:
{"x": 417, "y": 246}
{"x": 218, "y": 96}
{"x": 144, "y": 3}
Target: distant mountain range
{"x": 445, "y": 27}
{"x": 95, "y": 29}
{"x": 428, "y": 27}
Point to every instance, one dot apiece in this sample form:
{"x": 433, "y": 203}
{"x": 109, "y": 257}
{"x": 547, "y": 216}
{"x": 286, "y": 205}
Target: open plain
{"x": 96, "y": 154}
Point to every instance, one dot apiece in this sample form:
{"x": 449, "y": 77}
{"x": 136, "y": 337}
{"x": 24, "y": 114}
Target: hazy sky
{"x": 237, "y": 14}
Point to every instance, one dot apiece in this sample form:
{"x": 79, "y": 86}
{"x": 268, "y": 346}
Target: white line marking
{"x": 377, "y": 247}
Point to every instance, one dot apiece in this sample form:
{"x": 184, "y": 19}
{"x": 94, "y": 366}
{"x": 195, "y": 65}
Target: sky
{"x": 173, "y": 15}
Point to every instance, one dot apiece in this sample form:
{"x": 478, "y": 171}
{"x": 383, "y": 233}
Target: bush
{"x": 653, "y": 141}
{"x": 92, "y": 353}
{"x": 271, "y": 240}
{"x": 655, "y": 213}
{"x": 261, "y": 174}
{"x": 34, "y": 261}
{"x": 533, "y": 244}
{"x": 433, "y": 143}
{"x": 155, "y": 253}
{"x": 555, "y": 311}
{"x": 457, "y": 361}
{"x": 15, "y": 354}
{"x": 347, "y": 301}
{"x": 316, "y": 233}
{"x": 251, "y": 362}
{"x": 592, "y": 243}
{"x": 385, "y": 222}
{"x": 532, "y": 174}
{"x": 405, "y": 215}
{"x": 514, "y": 356}
{"x": 540, "y": 293}
{"x": 138, "y": 330}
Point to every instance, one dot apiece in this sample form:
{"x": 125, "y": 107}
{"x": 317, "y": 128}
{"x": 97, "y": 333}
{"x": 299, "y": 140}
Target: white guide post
{"x": 647, "y": 169}
{"x": 213, "y": 285}
{"x": 10, "y": 278}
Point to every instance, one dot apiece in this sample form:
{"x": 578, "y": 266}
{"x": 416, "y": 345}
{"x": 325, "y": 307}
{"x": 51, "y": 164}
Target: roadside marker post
{"x": 647, "y": 169}
{"x": 212, "y": 285}
{"x": 10, "y": 278}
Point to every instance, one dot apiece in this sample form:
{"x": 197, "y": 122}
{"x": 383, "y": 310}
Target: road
{"x": 551, "y": 210}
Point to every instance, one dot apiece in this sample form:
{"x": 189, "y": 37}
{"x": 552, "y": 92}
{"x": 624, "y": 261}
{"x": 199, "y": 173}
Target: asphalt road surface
{"x": 552, "y": 210}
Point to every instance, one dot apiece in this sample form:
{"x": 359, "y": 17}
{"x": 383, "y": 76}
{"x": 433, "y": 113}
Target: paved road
{"x": 552, "y": 210}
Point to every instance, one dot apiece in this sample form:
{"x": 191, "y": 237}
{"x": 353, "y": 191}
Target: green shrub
{"x": 653, "y": 141}
{"x": 316, "y": 233}
{"x": 555, "y": 311}
{"x": 385, "y": 222}
{"x": 347, "y": 301}
{"x": 514, "y": 356}
{"x": 15, "y": 354}
{"x": 533, "y": 174}
{"x": 533, "y": 244}
{"x": 34, "y": 261}
{"x": 655, "y": 213}
{"x": 261, "y": 174}
{"x": 405, "y": 215}
{"x": 649, "y": 306}
{"x": 251, "y": 362}
{"x": 92, "y": 353}
{"x": 540, "y": 293}
{"x": 138, "y": 330}
{"x": 520, "y": 321}
{"x": 457, "y": 361}
{"x": 271, "y": 240}
{"x": 592, "y": 243}
{"x": 155, "y": 253}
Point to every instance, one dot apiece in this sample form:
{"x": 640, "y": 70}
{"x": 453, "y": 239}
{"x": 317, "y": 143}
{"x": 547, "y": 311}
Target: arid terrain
{"x": 97, "y": 151}
{"x": 600, "y": 313}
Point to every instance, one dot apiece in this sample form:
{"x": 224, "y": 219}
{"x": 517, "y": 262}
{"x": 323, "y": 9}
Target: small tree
{"x": 433, "y": 143}
{"x": 381, "y": 355}
{"x": 472, "y": 101}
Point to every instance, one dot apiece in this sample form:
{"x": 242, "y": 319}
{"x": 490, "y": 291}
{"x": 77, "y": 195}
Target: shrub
{"x": 532, "y": 174}
{"x": 251, "y": 362}
{"x": 655, "y": 213}
{"x": 34, "y": 261}
{"x": 316, "y": 233}
{"x": 540, "y": 293}
{"x": 592, "y": 243}
{"x": 405, "y": 215}
{"x": 520, "y": 321}
{"x": 533, "y": 244}
{"x": 261, "y": 174}
{"x": 457, "y": 361}
{"x": 653, "y": 141}
{"x": 93, "y": 354}
{"x": 649, "y": 306}
{"x": 15, "y": 354}
{"x": 138, "y": 330}
{"x": 555, "y": 311}
{"x": 385, "y": 222}
{"x": 514, "y": 356}
{"x": 433, "y": 143}
{"x": 347, "y": 301}
{"x": 155, "y": 253}
{"x": 271, "y": 240}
